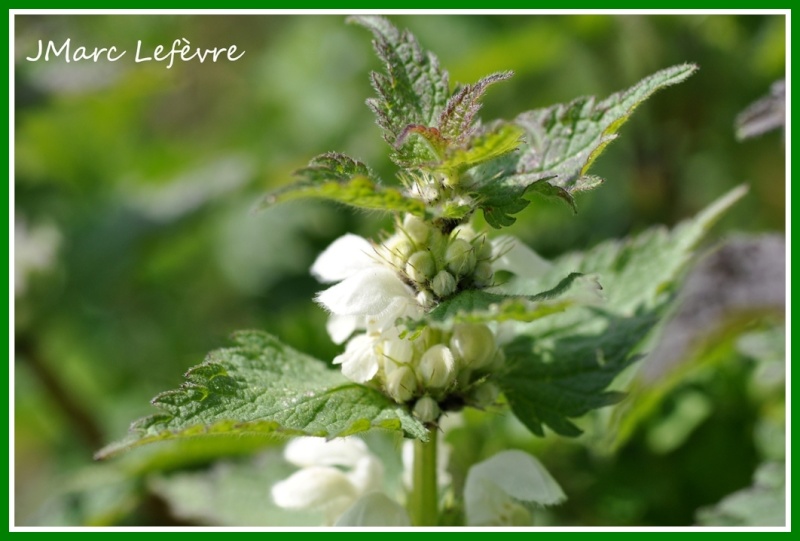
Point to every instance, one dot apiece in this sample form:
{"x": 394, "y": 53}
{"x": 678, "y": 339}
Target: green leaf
{"x": 456, "y": 121}
{"x": 264, "y": 387}
{"x": 578, "y": 352}
{"x": 499, "y": 192}
{"x": 548, "y": 384}
{"x": 562, "y": 142}
{"x": 481, "y": 306}
{"x": 639, "y": 271}
{"x": 340, "y": 178}
{"x": 484, "y": 147}
{"x": 414, "y": 89}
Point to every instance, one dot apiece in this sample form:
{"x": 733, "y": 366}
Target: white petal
{"x": 399, "y": 307}
{"x": 375, "y": 509}
{"x": 343, "y": 258}
{"x": 369, "y": 291}
{"x": 341, "y": 327}
{"x": 367, "y": 475}
{"x": 516, "y": 257}
{"x": 309, "y": 451}
{"x": 359, "y": 360}
{"x": 315, "y": 487}
{"x": 494, "y": 485}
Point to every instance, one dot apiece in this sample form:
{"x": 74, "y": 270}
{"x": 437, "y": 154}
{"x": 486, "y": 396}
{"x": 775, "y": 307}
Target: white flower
{"x": 34, "y": 250}
{"x": 333, "y": 476}
{"x": 369, "y": 293}
{"x": 497, "y": 489}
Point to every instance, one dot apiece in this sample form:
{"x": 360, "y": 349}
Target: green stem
{"x": 423, "y": 501}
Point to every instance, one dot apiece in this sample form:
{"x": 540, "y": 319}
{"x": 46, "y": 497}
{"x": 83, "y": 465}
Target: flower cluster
{"x": 438, "y": 265}
{"x": 404, "y": 277}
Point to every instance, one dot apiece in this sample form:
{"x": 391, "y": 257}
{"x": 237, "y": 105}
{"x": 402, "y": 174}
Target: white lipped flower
{"x": 333, "y": 475}
{"x": 498, "y": 491}
{"x": 369, "y": 293}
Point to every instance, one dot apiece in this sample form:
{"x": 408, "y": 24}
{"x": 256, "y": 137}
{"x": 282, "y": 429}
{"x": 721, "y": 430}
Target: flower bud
{"x": 483, "y": 274}
{"x": 483, "y": 248}
{"x": 498, "y": 361}
{"x": 460, "y": 257}
{"x": 397, "y": 352}
{"x": 473, "y": 345}
{"x": 426, "y": 409}
{"x": 485, "y": 394}
{"x": 443, "y": 284}
{"x": 401, "y": 384}
{"x": 464, "y": 232}
{"x": 425, "y": 298}
{"x": 437, "y": 367}
{"x": 416, "y": 229}
{"x": 397, "y": 249}
{"x": 420, "y": 266}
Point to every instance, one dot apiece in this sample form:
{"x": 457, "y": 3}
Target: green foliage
{"x": 547, "y": 151}
{"x": 482, "y": 306}
{"x": 264, "y": 387}
{"x": 340, "y": 178}
{"x": 562, "y": 141}
{"x": 560, "y": 365}
{"x": 547, "y": 384}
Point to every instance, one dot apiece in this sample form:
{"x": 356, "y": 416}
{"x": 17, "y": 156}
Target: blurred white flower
{"x": 333, "y": 475}
{"x": 34, "y": 250}
{"x": 498, "y": 489}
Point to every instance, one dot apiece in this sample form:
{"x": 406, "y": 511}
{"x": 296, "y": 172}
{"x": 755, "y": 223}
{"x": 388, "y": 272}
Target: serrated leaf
{"x": 414, "y": 89}
{"x": 566, "y": 378}
{"x": 560, "y": 374}
{"x": 264, "y": 387}
{"x": 639, "y": 271}
{"x": 456, "y": 121}
{"x": 499, "y": 192}
{"x": 337, "y": 177}
{"x": 481, "y": 306}
{"x": 487, "y": 146}
{"x": 562, "y": 141}
{"x": 565, "y": 139}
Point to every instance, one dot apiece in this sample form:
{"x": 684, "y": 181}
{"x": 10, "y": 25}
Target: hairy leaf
{"x": 264, "y": 387}
{"x": 337, "y": 177}
{"x": 414, "y": 89}
{"x": 565, "y": 139}
{"x": 562, "y": 141}
{"x": 456, "y": 121}
{"x": 484, "y": 147}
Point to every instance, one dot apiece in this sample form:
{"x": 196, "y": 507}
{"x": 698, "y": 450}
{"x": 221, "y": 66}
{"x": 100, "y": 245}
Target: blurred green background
{"x": 138, "y": 247}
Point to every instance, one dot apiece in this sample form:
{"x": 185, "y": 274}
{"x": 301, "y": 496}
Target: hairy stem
{"x": 423, "y": 501}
